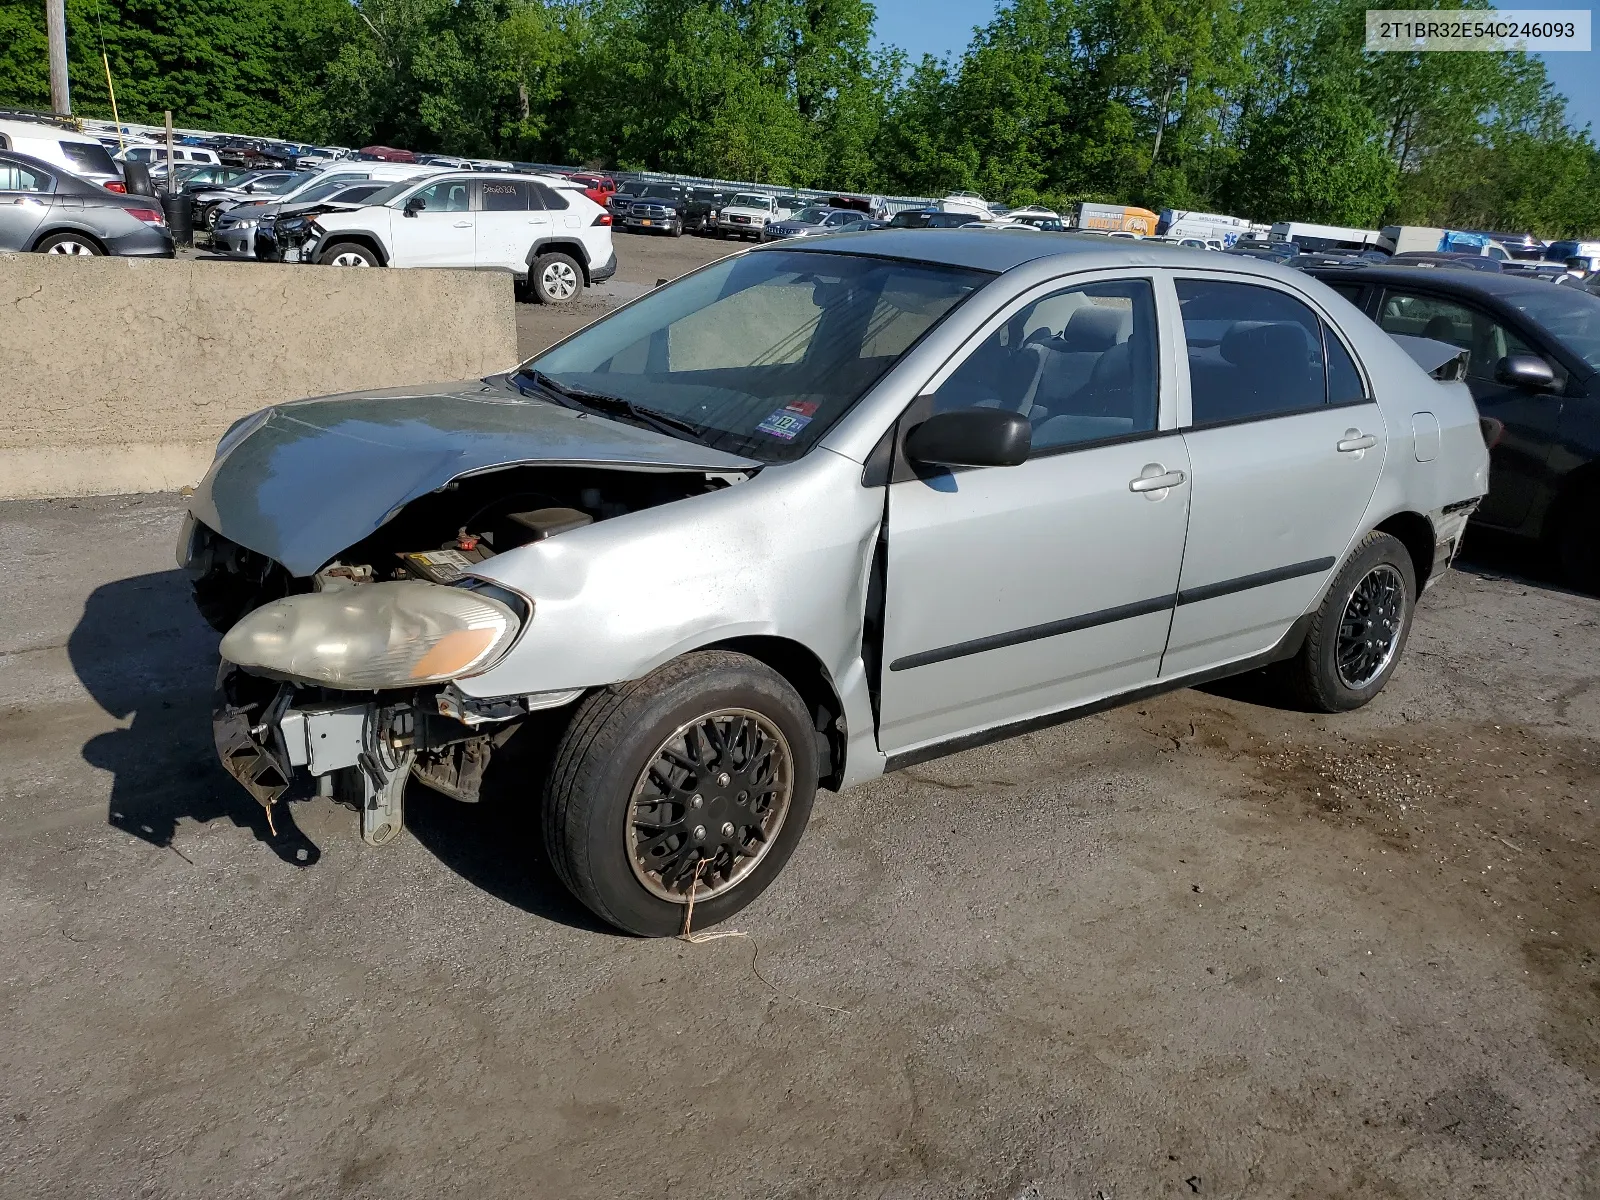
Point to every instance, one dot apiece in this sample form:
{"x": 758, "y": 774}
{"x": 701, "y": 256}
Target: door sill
{"x": 1288, "y": 646}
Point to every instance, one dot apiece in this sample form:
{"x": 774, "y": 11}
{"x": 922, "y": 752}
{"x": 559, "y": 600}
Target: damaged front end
{"x": 285, "y": 741}
{"x": 333, "y": 543}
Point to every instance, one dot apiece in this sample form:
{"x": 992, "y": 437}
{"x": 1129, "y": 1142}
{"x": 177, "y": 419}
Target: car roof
{"x": 41, "y": 129}
{"x": 1484, "y": 283}
{"x": 982, "y": 250}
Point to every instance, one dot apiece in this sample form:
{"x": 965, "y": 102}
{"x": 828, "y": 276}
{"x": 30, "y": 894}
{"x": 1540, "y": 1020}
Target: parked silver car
{"x": 52, "y": 211}
{"x": 809, "y": 515}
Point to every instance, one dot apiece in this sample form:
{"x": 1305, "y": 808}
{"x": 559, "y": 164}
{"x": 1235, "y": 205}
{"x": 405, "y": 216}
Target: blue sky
{"x": 945, "y": 26}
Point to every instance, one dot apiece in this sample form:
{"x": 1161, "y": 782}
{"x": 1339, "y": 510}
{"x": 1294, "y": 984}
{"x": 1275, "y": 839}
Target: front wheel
{"x": 697, "y": 779}
{"x": 347, "y": 254}
{"x": 556, "y": 278}
{"x": 1578, "y": 543}
{"x": 1359, "y": 630}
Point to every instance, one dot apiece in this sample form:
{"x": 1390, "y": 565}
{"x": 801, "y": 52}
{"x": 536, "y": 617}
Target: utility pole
{"x": 55, "y": 15}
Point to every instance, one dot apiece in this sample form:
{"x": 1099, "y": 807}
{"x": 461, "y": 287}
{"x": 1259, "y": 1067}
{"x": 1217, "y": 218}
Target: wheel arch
{"x": 367, "y": 241}
{"x": 568, "y": 246}
{"x": 1577, "y": 485}
{"x": 72, "y": 229}
{"x": 1415, "y": 532}
{"x": 804, "y": 671}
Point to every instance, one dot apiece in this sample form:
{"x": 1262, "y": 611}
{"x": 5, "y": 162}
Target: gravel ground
{"x": 1197, "y": 946}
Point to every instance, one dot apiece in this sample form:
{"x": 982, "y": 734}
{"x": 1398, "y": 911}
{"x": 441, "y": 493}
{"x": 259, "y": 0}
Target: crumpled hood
{"x": 313, "y": 477}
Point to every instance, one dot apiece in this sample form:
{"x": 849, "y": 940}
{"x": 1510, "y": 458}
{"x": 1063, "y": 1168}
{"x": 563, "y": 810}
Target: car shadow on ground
{"x": 145, "y": 656}
{"x": 1491, "y": 555}
{"x": 497, "y": 845}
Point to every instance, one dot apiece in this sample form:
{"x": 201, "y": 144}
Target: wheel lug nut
{"x": 699, "y": 833}
{"x": 697, "y": 801}
{"x": 724, "y": 779}
{"x": 727, "y": 829}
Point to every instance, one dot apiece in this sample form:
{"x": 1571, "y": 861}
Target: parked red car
{"x": 388, "y": 154}
{"x": 599, "y": 188}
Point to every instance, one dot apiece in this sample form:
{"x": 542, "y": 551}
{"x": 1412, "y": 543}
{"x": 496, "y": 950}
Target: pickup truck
{"x": 669, "y": 207}
{"x": 746, "y": 215}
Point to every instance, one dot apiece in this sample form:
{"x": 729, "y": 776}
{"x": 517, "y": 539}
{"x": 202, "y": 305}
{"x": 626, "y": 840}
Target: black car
{"x": 930, "y": 218}
{"x": 1533, "y": 364}
{"x": 51, "y": 211}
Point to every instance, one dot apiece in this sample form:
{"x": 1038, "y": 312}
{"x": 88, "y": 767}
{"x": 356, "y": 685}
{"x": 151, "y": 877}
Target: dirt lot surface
{"x": 642, "y": 260}
{"x": 1201, "y": 946}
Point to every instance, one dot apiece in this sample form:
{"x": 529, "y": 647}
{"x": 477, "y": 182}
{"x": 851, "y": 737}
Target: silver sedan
{"x": 812, "y": 514}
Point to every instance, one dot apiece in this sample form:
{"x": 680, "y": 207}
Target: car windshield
{"x": 326, "y": 188}
{"x": 391, "y": 193}
{"x": 761, "y": 353}
{"x": 911, "y": 218}
{"x": 749, "y": 200}
{"x": 810, "y": 216}
{"x": 659, "y": 191}
{"x": 1570, "y": 316}
{"x": 284, "y": 183}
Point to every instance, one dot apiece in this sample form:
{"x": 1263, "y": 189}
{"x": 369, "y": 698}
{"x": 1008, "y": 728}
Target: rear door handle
{"x": 1156, "y": 483}
{"x": 1354, "y": 440}
{"x": 463, "y": 224}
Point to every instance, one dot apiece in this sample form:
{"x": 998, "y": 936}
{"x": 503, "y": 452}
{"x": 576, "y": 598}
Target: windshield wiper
{"x": 583, "y": 398}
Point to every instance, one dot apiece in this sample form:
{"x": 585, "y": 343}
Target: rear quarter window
{"x": 89, "y": 156}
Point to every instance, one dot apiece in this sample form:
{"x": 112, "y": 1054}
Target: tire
{"x": 348, "y": 254}
{"x": 556, "y": 278}
{"x": 209, "y": 215}
{"x": 69, "y": 243}
{"x": 1578, "y": 543}
{"x": 1341, "y": 667}
{"x": 676, "y": 229}
{"x": 613, "y": 759}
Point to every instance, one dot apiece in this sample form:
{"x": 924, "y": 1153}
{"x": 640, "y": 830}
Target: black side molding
{"x": 1244, "y": 583}
{"x": 1107, "y": 616}
{"x": 1033, "y": 633}
{"x": 1288, "y": 646}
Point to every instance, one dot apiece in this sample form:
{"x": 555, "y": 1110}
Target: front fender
{"x": 782, "y": 555}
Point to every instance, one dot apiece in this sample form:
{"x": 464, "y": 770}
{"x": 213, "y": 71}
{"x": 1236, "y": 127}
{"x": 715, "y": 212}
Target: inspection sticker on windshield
{"x": 789, "y": 420}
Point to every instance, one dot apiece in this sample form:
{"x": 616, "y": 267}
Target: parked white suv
{"x": 541, "y": 228}
{"x": 233, "y": 232}
{"x": 76, "y": 153}
{"x": 746, "y": 215}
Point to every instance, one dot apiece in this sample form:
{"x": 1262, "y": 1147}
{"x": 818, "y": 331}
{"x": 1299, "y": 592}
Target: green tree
{"x": 1319, "y": 156}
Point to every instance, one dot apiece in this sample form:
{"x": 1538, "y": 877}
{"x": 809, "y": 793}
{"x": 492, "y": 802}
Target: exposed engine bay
{"x": 359, "y": 746}
{"x": 438, "y": 537}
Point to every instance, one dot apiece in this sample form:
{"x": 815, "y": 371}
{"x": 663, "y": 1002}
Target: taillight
{"x": 150, "y": 216}
{"x": 117, "y": 186}
{"x": 603, "y": 219}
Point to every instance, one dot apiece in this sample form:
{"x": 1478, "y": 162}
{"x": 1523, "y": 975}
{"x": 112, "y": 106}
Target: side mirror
{"x": 250, "y": 187}
{"x": 414, "y": 205}
{"x": 1524, "y": 370}
{"x": 971, "y": 437}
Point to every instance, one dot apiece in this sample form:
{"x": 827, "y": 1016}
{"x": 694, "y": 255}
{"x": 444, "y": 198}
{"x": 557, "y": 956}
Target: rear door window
{"x": 1254, "y": 352}
{"x": 14, "y": 177}
{"x": 506, "y": 195}
{"x": 1485, "y": 340}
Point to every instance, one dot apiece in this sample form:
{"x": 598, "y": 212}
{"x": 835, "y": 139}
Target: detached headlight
{"x": 374, "y": 636}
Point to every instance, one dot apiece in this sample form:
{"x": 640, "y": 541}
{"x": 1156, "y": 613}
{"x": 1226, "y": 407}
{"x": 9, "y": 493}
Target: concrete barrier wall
{"x": 119, "y": 375}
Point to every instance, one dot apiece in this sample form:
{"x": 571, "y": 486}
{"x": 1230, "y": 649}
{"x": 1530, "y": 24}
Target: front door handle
{"x": 1355, "y": 440}
{"x": 463, "y": 224}
{"x": 1156, "y": 483}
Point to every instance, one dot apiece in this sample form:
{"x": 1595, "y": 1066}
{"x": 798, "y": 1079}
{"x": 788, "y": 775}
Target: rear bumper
{"x": 1449, "y": 524}
{"x": 605, "y": 270}
{"x": 148, "y": 243}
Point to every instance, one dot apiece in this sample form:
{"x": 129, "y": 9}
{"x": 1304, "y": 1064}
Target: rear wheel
{"x": 1360, "y": 629}
{"x": 695, "y": 780}
{"x": 556, "y": 278}
{"x": 347, "y": 254}
{"x": 69, "y": 243}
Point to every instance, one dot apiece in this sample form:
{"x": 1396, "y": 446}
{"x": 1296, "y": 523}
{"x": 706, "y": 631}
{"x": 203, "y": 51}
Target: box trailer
{"x": 1117, "y": 218}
